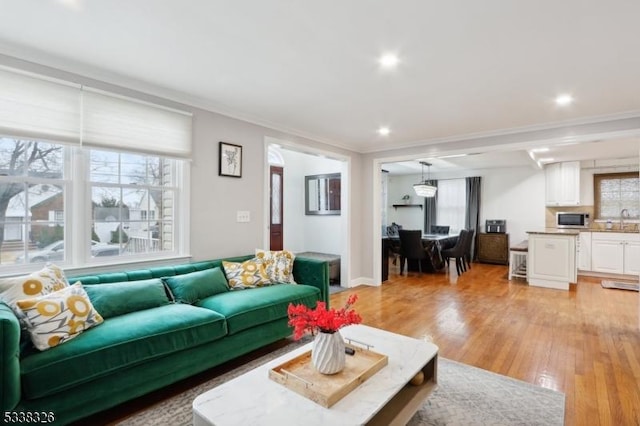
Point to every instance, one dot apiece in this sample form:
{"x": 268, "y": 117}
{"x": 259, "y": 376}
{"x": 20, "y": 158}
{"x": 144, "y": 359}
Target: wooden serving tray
{"x": 299, "y": 375}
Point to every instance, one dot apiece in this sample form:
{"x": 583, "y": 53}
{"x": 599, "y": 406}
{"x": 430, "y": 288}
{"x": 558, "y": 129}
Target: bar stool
{"x": 518, "y": 260}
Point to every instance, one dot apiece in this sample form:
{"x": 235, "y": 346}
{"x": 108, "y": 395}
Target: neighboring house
{"x": 46, "y": 203}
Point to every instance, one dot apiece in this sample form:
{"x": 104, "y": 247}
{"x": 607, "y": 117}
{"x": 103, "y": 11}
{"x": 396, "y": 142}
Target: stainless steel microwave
{"x": 572, "y": 220}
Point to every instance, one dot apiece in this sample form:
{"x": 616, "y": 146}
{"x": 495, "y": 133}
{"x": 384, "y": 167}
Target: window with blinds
{"x": 614, "y": 192}
{"x": 88, "y": 176}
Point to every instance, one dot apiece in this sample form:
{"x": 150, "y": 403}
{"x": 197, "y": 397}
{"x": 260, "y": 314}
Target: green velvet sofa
{"x": 146, "y": 341}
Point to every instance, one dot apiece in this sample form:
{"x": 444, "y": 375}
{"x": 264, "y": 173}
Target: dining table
{"x": 433, "y": 244}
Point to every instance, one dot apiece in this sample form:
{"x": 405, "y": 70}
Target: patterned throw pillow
{"x": 247, "y": 274}
{"x": 59, "y": 316}
{"x": 279, "y": 265}
{"x": 47, "y": 280}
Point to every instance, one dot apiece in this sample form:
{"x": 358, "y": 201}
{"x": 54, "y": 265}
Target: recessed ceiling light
{"x": 564, "y": 100}
{"x": 384, "y": 131}
{"x": 545, "y": 160}
{"x": 389, "y": 60}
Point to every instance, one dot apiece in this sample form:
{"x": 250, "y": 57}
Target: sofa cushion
{"x": 115, "y": 299}
{"x": 47, "y": 280}
{"x": 194, "y": 286}
{"x": 248, "y": 308}
{"x": 279, "y": 264}
{"x": 119, "y": 343}
{"x": 248, "y": 274}
{"x": 58, "y": 317}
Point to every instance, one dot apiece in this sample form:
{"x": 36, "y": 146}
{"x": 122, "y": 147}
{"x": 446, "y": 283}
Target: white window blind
{"x": 39, "y": 108}
{"x": 119, "y": 122}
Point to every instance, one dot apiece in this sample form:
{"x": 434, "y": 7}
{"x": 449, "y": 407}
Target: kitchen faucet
{"x": 624, "y": 213}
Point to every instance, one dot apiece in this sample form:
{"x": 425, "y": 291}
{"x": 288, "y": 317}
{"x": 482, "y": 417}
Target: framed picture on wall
{"x": 230, "y": 160}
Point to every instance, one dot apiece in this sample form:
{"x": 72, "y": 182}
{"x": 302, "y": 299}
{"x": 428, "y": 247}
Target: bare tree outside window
{"x": 25, "y": 165}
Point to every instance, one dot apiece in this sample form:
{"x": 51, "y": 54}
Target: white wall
{"x": 322, "y": 234}
{"x": 408, "y": 217}
{"x": 517, "y": 195}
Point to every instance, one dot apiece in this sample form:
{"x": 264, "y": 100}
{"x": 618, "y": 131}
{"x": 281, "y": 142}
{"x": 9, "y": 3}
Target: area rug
{"x": 465, "y": 396}
{"x": 620, "y": 285}
{"x": 333, "y": 289}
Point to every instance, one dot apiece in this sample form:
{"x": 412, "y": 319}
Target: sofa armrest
{"x": 313, "y": 272}
{"x": 9, "y": 359}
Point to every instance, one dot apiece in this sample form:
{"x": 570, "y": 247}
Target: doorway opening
{"x": 303, "y": 227}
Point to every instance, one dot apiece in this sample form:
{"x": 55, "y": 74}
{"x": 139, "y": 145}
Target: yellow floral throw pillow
{"x": 247, "y": 274}
{"x": 279, "y": 265}
{"x": 59, "y": 316}
{"x": 47, "y": 280}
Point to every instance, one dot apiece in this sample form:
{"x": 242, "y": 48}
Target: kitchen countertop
{"x": 556, "y": 231}
{"x": 633, "y": 230}
{"x": 576, "y": 231}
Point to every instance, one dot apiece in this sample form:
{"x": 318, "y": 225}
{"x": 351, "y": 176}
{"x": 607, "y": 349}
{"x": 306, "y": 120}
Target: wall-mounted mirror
{"x": 322, "y": 194}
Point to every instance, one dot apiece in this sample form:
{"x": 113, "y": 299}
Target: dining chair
{"x": 411, "y": 248}
{"x": 440, "y": 229}
{"x": 458, "y": 252}
{"x": 467, "y": 250}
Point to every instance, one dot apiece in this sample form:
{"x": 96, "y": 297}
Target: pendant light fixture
{"x": 423, "y": 189}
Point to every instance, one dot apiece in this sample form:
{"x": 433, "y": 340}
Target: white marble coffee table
{"x": 385, "y": 398}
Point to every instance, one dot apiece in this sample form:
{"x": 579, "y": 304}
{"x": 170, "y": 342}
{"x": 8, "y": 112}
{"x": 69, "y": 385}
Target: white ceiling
{"x": 310, "y": 68}
{"x": 622, "y": 151}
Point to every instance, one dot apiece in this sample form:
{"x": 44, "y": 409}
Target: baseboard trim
{"x": 362, "y": 281}
{"x": 605, "y": 275}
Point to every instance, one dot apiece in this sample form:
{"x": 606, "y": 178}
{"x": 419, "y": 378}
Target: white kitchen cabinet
{"x": 632, "y": 256}
{"x": 584, "y": 251}
{"x": 562, "y": 183}
{"x": 551, "y": 260}
{"x": 615, "y": 253}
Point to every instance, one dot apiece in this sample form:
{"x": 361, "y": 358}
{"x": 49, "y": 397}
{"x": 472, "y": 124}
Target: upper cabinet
{"x": 563, "y": 183}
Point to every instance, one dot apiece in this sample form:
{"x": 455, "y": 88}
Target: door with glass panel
{"x": 276, "y": 219}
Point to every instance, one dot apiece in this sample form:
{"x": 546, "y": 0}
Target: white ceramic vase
{"x": 327, "y": 354}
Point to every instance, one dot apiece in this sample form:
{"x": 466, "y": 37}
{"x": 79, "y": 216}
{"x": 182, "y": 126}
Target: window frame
{"x": 76, "y": 187}
{"x": 597, "y": 178}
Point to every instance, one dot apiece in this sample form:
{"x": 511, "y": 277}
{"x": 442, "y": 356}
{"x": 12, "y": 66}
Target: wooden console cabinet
{"x": 493, "y": 248}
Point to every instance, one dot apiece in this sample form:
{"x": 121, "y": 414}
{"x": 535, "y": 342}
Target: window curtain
{"x": 430, "y": 209}
{"x": 472, "y": 217}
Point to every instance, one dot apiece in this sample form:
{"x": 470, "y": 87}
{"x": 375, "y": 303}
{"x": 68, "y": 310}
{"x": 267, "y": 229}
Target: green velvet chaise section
{"x": 118, "y": 343}
{"x": 253, "y": 307}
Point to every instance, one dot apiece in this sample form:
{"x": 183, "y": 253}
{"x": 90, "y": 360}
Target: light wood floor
{"x": 584, "y": 342}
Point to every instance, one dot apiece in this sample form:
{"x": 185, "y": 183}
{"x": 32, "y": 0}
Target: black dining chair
{"x": 467, "y": 249}
{"x": 439, "y": 229}
{"x": 411, "y": 248}
{"x": 458, "y": 252}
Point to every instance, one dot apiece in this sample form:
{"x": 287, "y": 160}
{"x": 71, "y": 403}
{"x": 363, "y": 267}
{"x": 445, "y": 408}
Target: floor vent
{"x": 620, "y": 285}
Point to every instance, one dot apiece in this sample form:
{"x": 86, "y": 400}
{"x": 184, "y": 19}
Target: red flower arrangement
{"x": 304, "y": 319}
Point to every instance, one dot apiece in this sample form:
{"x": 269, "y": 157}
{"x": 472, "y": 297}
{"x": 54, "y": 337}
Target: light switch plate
{"x": 243, "y": 216}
